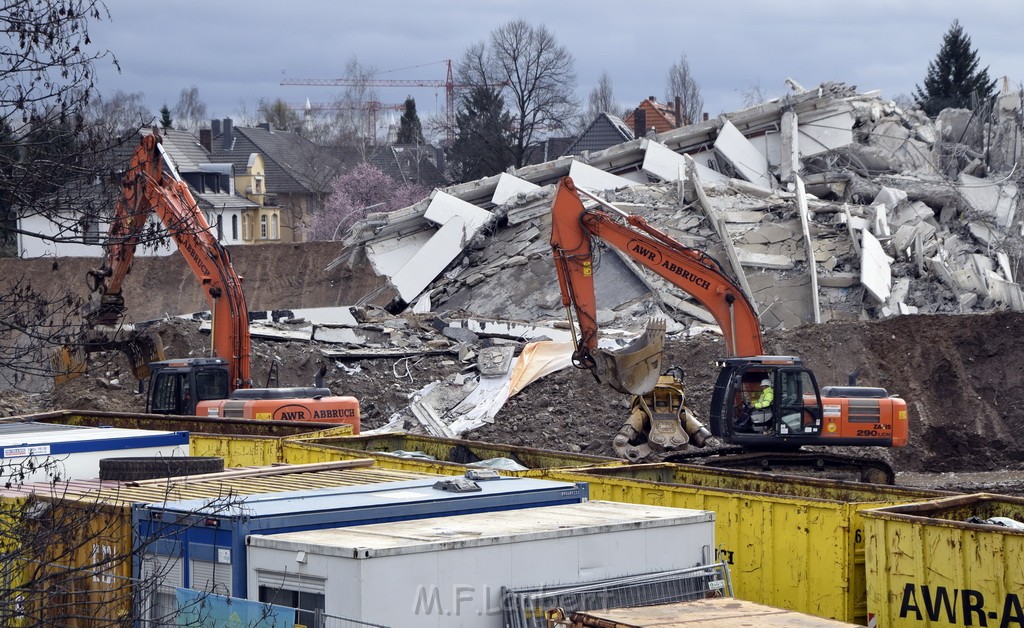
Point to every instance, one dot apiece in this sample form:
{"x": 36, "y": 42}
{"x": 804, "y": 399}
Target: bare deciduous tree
{"x": 601, "y": 99}
{"x": 279, "y": 114}
{"x": 52, "y": 164}
{"x": 680, "y": 82}
{"x": 190, "y": 112}
{"x": 539, "y": 79}
{"x": 119, "y": 114}
{"x": 68, "y": 556}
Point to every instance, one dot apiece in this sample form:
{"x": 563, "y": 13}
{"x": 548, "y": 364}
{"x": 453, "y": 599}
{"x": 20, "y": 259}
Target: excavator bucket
{"x": 634, "y": 369}
{"x": 69, "y": 361}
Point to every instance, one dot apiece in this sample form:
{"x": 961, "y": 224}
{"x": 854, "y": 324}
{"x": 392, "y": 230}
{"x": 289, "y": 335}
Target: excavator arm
{"x": 573, "y": 229}
{"x": 149, "y": 188}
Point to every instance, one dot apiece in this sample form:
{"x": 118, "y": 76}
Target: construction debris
{"x": 827, "y": 204}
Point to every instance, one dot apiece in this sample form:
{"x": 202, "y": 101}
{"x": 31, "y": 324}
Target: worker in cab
{"x": 765, "y": 396}
{"x": 761, "y": 414}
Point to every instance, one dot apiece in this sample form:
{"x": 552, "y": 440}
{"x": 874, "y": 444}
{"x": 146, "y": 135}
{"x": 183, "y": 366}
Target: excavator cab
{"x": 177, "y": 386}
{"x": 799, "y": 413}
{"x": 786, "y": 415}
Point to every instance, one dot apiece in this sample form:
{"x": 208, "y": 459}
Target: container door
{"x": 161, "y": 576}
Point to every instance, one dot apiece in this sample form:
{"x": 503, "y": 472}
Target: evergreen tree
{"x": 953, "y": 78}
{"x": 410, "y": 131}
{"x": 165, "y": 117}
{"x": 483, "y": 144}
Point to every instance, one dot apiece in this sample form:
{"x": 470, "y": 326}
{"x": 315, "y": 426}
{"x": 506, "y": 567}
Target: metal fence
{"x": 526, "y": 607}
{"x": 323, "y": 620}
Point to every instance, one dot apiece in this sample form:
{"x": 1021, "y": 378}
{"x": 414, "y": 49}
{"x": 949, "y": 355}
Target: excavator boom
{"x": 150, "y": 188}
{"x": 696, "y": 273}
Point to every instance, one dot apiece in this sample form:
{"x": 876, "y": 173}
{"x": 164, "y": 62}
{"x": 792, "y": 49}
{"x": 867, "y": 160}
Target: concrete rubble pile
{"x": 901, "y": 214}
{"x": 825, "y": 204}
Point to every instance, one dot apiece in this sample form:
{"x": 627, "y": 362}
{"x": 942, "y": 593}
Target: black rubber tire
{"x": 147, "y": 468}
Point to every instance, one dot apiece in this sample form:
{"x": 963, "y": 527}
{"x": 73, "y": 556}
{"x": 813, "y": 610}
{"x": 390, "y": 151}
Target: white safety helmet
{"x": 766, "y": 382}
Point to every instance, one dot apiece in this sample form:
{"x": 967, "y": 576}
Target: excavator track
{"x": 819, "y": 465}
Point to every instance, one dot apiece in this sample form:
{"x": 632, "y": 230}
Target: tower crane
{"x": 372, "y": 107}
{"x": 448, "y": 84}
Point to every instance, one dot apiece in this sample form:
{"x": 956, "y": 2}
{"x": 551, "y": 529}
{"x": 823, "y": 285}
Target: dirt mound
{"x": 961, "y": 376}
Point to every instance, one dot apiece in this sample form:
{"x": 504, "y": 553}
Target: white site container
{"x": 40, "y": 452}
{"x": 449, "y": 571}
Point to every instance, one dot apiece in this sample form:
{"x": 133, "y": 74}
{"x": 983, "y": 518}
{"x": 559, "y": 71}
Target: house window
{"x": 259, "y": 186}
{"x": 274, "y": 235}
{"x": 263, "y": 227}
{"x": 247, "y": 227}
{"x": 91, "y": 230}
{"x": 234, "y": 227}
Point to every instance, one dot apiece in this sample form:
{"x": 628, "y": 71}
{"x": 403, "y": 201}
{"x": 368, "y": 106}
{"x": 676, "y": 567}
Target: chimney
{"x": 228, "y": 135}
{"x": 206, "y": 139}
{"x": 652, "y": 99}
{"x": 639, "y": 122}
{"x": 679, "y": 113}
{"x": 705, "y": 116}
{"x": 215, "y": 128}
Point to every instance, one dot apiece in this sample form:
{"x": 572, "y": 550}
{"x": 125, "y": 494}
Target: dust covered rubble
{"x": 903, "y": 214}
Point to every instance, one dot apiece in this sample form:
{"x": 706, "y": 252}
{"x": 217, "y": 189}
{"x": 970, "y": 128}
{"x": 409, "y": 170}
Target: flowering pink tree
{"x": 358, "y": 192}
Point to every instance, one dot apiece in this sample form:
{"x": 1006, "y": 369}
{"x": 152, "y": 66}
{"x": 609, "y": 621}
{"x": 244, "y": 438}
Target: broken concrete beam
{"x": 904, "y": 238}
{"x": 911, "y": 213}
{"x": 789, "y": 151}
{"x": 801, "y": 205}
{"x": 984, "y": 233}
{"x": 890, "y": 197}
{"x": 594, "y": 180}
{"x": 742, "y": 217}
{"x": 1006, "y": 292}
{"x": 1004, "y": 266}
{"x": 875, "y": 272}
{"x": 428, "y": 418}
{"x": 667, "y": 165}
{"x": 838, "y": 280}
{"x": 880, "y": 222}
{"x": 769, "y": 233}
{"x": 509, "y": 186}
{"x": 743, "y": 156}
{"x": 431, "y": 259}
{"x": 763, "y": 260}
{"x": 985, "y": 198}
{"x": 968, "y": 279}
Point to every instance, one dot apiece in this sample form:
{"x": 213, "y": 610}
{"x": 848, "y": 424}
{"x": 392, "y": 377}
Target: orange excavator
{"x": 217, "y": 386}
{"x": 796, "y": 413}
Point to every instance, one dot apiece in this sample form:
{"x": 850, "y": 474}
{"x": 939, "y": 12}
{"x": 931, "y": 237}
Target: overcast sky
{"x": 238, "y": 52}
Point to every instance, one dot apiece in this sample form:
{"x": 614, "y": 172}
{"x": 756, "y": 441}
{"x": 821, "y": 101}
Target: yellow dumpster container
{"x": 429, "y": 454}
{"x": 793, "y": 543}
{"x": 946, "y": 562}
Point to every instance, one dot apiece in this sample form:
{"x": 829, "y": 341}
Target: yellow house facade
{"x": 262, "y": 224}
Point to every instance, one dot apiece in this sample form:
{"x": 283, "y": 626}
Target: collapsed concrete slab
{"x": 873, "y": 172}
